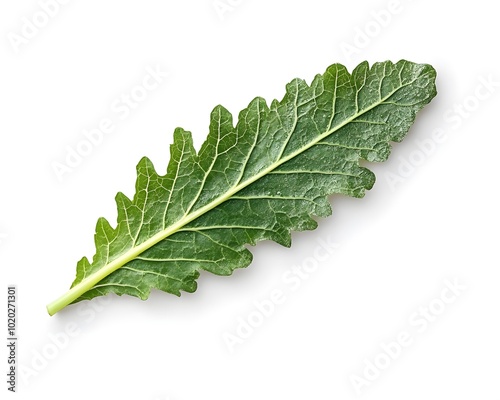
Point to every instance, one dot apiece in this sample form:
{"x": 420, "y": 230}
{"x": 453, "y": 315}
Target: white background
{"x": 436, "y": 221}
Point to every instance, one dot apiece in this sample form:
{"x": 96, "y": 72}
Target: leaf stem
{"x": 89, "y": 282}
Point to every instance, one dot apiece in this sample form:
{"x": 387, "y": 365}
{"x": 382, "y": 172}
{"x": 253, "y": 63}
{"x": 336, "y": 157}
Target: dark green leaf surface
{"x": 257, "y": 180}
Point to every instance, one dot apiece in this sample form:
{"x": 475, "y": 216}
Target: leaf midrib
{"x": 88, "y": 282}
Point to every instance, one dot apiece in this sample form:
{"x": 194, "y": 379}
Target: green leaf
{"x": 257, "y": 180}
